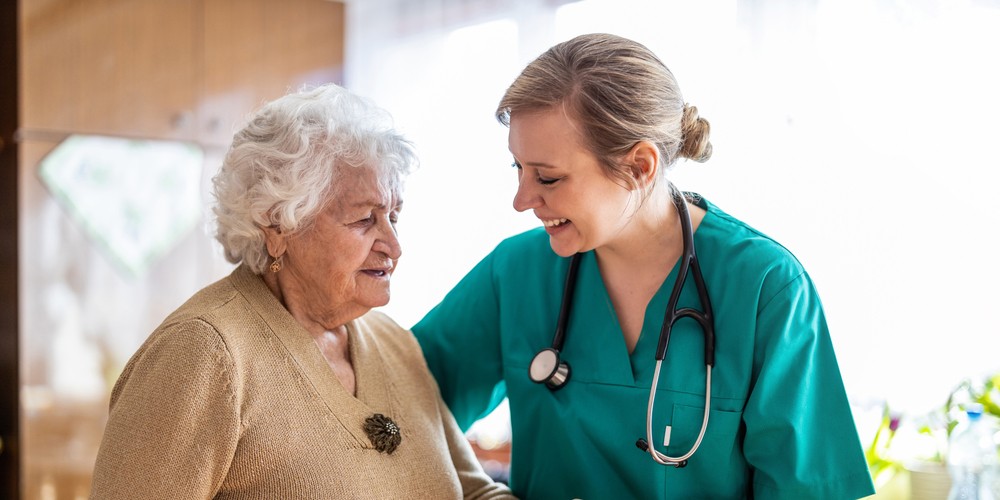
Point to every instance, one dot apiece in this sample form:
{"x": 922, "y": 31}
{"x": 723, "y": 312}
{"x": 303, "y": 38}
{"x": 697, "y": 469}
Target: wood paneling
{"x": 118, "y": 67}
{"x": 257, "y": 50}
{"x": 184, "y": 69}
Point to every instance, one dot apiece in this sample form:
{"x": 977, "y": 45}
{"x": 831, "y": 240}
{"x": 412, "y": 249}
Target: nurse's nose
{"x": 527, "y": 196}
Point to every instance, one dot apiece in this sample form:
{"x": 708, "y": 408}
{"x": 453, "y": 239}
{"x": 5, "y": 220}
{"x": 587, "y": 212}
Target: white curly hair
{"x": 283, "y": 167}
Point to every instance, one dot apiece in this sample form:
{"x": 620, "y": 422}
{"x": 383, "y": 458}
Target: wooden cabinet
{"x": 179, "y": 69}
{"x": 118, "y": 67}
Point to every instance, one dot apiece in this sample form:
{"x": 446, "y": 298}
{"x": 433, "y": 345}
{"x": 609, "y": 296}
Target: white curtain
{"x": 860, "y": 134}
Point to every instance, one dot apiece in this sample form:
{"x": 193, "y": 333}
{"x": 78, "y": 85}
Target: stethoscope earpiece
{"x": 546, "y": 368}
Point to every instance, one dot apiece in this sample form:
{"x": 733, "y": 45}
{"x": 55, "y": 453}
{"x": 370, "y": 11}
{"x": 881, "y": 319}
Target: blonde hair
{"x": 284, "y": 166}
{"x": 620, "y": 93}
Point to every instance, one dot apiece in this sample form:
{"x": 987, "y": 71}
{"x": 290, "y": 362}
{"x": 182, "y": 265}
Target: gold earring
{"x": 276, "y": 265}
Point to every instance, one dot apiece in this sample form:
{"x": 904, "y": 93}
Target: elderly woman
{"x": 277, "y": 381}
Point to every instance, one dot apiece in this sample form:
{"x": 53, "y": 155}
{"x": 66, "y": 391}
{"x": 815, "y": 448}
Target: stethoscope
{"x": 546, "y": 367}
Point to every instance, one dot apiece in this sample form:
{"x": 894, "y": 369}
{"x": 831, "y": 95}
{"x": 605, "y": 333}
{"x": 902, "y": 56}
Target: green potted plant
{"x": 929, "y": 479}
{"x": 886, "y": 468}
{"x": 916, "y": 468}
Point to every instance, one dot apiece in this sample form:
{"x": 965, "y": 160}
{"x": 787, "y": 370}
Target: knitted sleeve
{"x": 475, "y": 483}
{"x": 174, "y": 419}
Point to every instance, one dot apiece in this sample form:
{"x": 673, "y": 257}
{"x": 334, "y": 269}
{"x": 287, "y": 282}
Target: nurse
{"x": 594, "y": 125}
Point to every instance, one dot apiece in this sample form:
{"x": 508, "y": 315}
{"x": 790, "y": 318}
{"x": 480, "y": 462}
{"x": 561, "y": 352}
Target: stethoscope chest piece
{"x": 546, "y": 368}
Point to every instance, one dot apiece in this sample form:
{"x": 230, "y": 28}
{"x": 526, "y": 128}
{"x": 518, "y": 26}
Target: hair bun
{"x": 695, "y": 130}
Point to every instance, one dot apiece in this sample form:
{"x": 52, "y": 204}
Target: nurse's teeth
{"x": 554, "y": 222}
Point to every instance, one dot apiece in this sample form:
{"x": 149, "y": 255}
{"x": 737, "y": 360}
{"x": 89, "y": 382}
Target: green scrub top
{"x": 780, "y": 425}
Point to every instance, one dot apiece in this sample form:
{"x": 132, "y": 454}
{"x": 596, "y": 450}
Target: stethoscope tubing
{"x": 569, "y": 289}
{"x": 689, "y": 262}
{"x": 662, "y": 458}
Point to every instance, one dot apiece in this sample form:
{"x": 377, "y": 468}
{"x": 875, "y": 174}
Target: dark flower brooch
{"x": 383, "y": 433}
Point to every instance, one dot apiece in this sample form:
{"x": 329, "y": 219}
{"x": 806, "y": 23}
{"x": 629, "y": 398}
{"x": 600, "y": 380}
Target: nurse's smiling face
{"x": 563, "y": 183}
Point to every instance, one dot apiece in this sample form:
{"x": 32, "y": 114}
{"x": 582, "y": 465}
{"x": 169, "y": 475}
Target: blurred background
{"x": 861, "y": 134}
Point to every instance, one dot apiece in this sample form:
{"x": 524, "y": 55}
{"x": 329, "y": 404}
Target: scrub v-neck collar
{"x": 605, "y": 346}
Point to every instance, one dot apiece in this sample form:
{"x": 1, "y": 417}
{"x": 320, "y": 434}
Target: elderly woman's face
{"x": 343, "y": 262}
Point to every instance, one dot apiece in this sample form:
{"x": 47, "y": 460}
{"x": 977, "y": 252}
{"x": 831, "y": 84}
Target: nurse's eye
{"x": 545, "y": 181}
{"x": 516, "y": 165}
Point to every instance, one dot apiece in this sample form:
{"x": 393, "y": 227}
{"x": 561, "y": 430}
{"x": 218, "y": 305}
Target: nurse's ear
{"x": 644, "y": 162}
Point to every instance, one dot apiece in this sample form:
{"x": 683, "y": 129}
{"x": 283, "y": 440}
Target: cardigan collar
{"x": 372, "y": 384}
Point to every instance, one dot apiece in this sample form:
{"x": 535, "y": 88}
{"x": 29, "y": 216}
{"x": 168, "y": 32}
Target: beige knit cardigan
{"x": 230, "y": 398}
